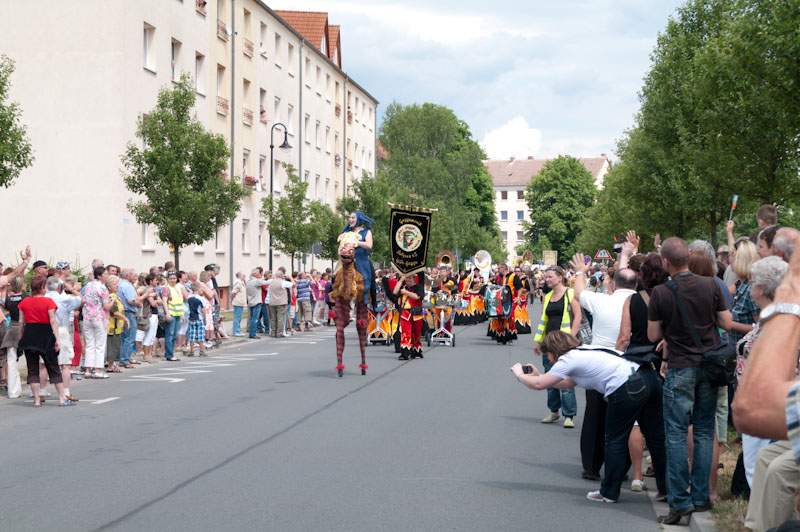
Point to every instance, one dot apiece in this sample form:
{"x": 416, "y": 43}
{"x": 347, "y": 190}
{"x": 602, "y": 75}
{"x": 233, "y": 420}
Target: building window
{"x": 318, "y": 85}
{"x": 328, "y": 87}
{"x": 520, "y": 215}
{"x": 245, "y": 162}
{"x": 336, "y": 93}
{"x": 276, "y": 116}
{"x": 328, "y": 139}
{"x": 305, "y": 176}
{"x": 262, "y": 240}
{"x": 336, "y": 142}
{"x": 356, "y": 110}
{"x": 262, "y": 105}
{"x": 247, "y": 24}
{"x": 504, "y": 235}
{"x": 520, "y": 236}
{"x": 290, "y": 118}
{"x": 200, "y": 73}
{"x": 317, "y": 136}
{"x": 290, "y": 59}
{"x": 317, "y": 191}
{"x": 245, "y": 90}
{"x": 306, "y": 123}
{"x": 262, "y": 165}
{"x": 175, "y": 51}
{"x": 504, "y": 194}
{"x": 245, "y": 236}
{"x": 521, "y": 194}
{"x": 504, "y": 215}
{"x": 308, "y": 72}
{"x": 146, "y": 243}
{"x": 277, "y": 50}
{"x": 217, "y": 241}
{"x": 276, "y": 166}
{"x": 262, "y": 43}
{"x": 149, "y": 58}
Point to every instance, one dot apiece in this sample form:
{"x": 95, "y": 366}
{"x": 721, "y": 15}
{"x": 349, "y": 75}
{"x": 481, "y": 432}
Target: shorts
{"x": 196, "y": 332}
{"x": 184, "y": 326}
{"x": 67, "y": 348}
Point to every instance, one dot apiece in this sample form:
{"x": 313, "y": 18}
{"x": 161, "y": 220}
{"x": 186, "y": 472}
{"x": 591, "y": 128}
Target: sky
{"x": 531, "y": 77}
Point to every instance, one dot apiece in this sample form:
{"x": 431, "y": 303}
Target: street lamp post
{"x": 285, "y": 146}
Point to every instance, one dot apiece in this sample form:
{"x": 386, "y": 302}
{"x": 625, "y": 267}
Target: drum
{"x": 492, "y": 293}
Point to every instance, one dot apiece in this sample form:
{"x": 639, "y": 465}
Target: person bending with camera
{"x": 632, "y": 391}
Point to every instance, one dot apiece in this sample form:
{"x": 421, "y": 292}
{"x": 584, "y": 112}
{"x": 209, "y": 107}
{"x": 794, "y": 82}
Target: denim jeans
{"x": 170, "y": 334}
{"x": 128, "y": 339}
{"x": 265, "y": 318}
{"x": 252, "y": 323}
{"x": 237, "y": 319}
{"x": 560, "y": 399}
{"x": 687, "y": 395}
{"x": 639, "y": 399}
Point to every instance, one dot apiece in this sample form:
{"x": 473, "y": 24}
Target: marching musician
{"x": 410, "y": 291}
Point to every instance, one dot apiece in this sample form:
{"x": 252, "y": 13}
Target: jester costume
{"x": 348, "y": 287}
{"x": 520, "y": 288}
{"x": 411, "y": 319}
{"x": 362, "y": 262}
{"x": 499, "y": 306}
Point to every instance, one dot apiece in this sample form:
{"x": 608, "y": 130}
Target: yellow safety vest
{"x": 175, "y": 301}
{"x": 566, "y": 322}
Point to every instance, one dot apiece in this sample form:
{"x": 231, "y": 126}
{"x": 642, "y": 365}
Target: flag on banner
{"x": 409, "y": 234}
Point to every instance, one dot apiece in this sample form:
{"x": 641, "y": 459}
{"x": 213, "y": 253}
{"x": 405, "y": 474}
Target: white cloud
{"x": 515, "y": 138}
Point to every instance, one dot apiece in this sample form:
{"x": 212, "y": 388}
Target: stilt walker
{"x": 347, "y": 288}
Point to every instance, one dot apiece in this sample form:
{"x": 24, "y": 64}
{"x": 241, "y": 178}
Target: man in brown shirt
{"x": 687, "y": 395}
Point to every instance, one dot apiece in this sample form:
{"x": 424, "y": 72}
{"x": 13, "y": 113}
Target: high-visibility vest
{"x": 175, "y": 301}
{"x": 566, "y": 322}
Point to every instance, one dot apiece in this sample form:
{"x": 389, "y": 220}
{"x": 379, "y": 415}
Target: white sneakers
{"x": 551, "y": 417}
{"x": 597, "y": 497}
{"x": 568, "y": 423}
{"x": 638, "y": 486}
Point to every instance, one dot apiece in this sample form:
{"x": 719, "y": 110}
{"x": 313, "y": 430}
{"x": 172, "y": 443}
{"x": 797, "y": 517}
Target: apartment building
{"x": 510, "y": 179}
{"x": 85, "y": 71}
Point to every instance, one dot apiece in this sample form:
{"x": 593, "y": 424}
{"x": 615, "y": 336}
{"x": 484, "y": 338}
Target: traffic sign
{"x": 602, "y": 254}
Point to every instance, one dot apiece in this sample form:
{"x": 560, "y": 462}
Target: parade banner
{"x": 550, "y": 257}
{"x": 409, "y": 234}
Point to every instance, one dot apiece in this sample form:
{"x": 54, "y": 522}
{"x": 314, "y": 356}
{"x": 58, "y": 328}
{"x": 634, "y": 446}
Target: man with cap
{"x": 39, "y": 268}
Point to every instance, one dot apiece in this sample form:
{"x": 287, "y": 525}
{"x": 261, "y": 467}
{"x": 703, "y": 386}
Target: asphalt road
{"x": 264, "y": 436}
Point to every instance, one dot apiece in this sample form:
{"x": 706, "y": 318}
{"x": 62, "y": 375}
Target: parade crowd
{"x": 672, "y": 346}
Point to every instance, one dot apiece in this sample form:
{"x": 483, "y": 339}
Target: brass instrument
{"x": 445, "y": 258}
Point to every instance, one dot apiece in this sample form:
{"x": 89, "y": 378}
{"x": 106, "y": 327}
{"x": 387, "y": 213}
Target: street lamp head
{"x": 285, "y": 145}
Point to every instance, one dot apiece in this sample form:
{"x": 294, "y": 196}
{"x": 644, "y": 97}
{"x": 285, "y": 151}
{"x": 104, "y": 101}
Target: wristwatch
{"x": 770, "y": 311}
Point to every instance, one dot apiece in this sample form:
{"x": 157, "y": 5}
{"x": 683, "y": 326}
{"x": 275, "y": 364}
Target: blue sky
{"x": 532, "y": 77}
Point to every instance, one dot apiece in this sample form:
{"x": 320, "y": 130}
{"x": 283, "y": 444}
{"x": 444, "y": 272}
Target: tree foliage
{"x": 558, "y": 199}
{"x": 16, "y": 153}
{"x": 178, "y": 176}
{"x": 433, "y": 162}
{"x": 290, "y": 218}
{"x": 720, "y": 115}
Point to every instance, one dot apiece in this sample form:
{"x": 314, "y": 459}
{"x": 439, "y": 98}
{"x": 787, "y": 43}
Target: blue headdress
{"x": 361, "y": 219}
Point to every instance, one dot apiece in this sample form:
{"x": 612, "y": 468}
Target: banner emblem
{"x": 409, "y": 235}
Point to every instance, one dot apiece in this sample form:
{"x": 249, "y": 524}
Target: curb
{"x": 700, "y": 522}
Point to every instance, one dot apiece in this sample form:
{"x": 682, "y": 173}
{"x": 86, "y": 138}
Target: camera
{"x": 527, "y": 369}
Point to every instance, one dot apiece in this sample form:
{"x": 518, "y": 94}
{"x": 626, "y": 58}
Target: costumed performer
{"x": 410, "y": 291}
{"x": 360, "y": 224}
{"x": 347, "y": 287}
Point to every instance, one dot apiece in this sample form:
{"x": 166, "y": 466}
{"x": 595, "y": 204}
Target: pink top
{"x": 95, "y": 296}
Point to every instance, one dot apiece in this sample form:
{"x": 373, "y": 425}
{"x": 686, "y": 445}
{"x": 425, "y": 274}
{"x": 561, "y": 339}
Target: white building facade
{"x": 86, "y": 71}
{"x": 510, "y": 179}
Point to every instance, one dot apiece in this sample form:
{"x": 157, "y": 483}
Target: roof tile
{"x": 519, "y": 172}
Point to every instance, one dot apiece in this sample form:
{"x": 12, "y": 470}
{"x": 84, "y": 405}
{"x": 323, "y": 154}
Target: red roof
{"x": 335, "y": 45}
{"x": 312, "y": 25}
{"x": 519, "y": 172}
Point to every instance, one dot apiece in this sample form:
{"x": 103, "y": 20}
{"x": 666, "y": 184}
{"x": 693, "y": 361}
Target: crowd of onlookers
{"x": 69, "y": 325}
{"x": 641, "y": 335}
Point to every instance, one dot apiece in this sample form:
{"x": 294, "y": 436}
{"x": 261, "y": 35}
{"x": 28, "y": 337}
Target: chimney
{"x": 530, "y": 157}
{"x": 511, "y": 159}
{"x": 604, "y": 156}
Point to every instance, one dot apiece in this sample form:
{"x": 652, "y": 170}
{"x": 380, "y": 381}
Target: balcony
{"x": 337, "y": 160}
{"x": 200, "y": 6}
{"x": 250, "y": 181}
{"x": 247, "y": 116}
{"x": 223, "y": 106}
{"x": 249, "y": 48}
{"x": 349, "y": 117}
{"x": 338, "y": 110}
{"x": 262, "y": 116}
{"x": 222, "y": 30}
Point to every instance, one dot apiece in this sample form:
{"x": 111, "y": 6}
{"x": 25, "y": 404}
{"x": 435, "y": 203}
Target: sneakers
{"x": 638, "y": 486}
{"x": 551, "y": 417}
{"x": 568, "y": 423}
{"x": 597, "y": 497}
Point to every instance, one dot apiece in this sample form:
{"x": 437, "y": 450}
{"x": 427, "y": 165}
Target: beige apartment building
{"x": 87, "y": 69}
{"x": 510, "y": 178}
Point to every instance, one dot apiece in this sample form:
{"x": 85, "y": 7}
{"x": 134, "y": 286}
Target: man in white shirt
{"x": 606, "y": 310}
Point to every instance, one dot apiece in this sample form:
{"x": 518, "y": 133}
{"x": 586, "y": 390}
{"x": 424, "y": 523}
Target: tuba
{"x": 445, "y": 258}
{"x": 482, "y": 260}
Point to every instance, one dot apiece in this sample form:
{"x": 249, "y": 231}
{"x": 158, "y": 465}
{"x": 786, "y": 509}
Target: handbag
{"x": 585, "y": 330}
{"x": 719, "y": 362}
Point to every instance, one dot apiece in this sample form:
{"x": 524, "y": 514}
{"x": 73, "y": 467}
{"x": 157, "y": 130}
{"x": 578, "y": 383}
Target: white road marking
{"x": 103, "y": 401}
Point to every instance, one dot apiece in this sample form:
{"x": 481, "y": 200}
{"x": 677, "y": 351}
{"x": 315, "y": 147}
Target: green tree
{"x": 179, "y": 174}
{"x": 329, "y": 225}
{"x": 15, "y": 148}
{"x": 290, "y": 218}
{"x": 558, "y": 198}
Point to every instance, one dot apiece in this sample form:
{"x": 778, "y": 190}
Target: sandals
{"x": 72, "y": 398}
{"x": 68, "y": 402}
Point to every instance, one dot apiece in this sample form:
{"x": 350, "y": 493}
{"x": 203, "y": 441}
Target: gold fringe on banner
{"x": 412, "y": 208}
